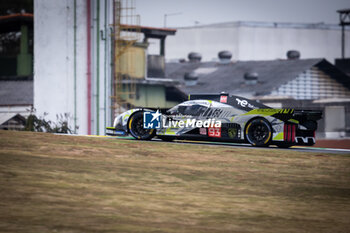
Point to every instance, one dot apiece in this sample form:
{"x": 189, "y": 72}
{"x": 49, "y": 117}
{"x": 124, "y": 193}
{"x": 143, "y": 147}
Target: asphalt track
{"x": 239, "y": 145}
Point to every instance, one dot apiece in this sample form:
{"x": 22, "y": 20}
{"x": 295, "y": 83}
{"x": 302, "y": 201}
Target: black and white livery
{"x": 242, "y": 120}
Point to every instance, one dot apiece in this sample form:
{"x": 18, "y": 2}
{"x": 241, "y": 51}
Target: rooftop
{"x": 149, "y": 31}
{"x": 318, "y": 25}
{"x": 214, "y": 77}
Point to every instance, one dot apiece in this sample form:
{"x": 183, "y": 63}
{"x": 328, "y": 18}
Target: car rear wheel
{"x": 258, "y": 132}
{"x": 136, "y": 128}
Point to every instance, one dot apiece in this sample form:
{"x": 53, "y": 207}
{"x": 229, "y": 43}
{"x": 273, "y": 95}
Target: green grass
{"x": 52, "y": 183}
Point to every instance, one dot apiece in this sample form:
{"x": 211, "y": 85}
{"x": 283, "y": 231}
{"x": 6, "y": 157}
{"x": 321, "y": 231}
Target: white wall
{"x": 207, "y": 41}
{"x": 273, "y": 43}
{"x": 54, "y": 91}
{"x": 256, "y": 43}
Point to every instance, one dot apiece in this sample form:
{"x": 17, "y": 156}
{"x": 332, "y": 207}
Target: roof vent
{"x": 251, "y": 78}
{"x": 194, "y": 57}
{"x": 191, "y": 79}
{"x": 293, "y": 54}
{"x": 225, "y": 56}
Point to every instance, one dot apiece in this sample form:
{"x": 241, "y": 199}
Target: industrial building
{"x": 16, "y": 54}
{"x": 258, "y": 40}
{"x": 16, "y": 69}
{"x": 91, "y": 62}
{"x": 281, "y": 83}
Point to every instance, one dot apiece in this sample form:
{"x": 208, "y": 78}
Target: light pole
{"x": 170, "y": 14}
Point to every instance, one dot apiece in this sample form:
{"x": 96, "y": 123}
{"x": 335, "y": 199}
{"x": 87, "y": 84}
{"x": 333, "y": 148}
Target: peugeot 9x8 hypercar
{"x": 220, "y": 117}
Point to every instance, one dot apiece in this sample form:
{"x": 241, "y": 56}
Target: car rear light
{"x": 289, "y": 133}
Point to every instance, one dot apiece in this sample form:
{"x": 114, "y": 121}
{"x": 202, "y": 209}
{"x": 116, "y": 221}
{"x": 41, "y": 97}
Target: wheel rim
{"x": 259, "y": 133}
{"x": 137, "y": 128}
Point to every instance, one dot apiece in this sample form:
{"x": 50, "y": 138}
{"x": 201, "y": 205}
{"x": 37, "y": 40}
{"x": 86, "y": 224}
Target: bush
{"x": 37, "y": 124}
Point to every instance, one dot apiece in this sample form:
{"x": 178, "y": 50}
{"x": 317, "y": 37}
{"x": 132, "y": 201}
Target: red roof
{"x": 151, "y": 32}
{"x": 16, "y": 15}
{"x": 12, "y": 23}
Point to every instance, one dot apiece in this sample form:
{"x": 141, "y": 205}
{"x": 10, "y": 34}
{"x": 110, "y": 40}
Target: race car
{"x": 220, "y": 117}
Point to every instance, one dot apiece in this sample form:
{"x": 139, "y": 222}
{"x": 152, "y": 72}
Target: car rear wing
{"x": 307, "y": 115}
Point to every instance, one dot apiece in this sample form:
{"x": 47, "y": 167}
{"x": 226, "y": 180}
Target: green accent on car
{"x": 269, "y": 111}
{"x": 293, "y": 121}
{"x": 278, "y": 137}
{"x": 128, "y": 115}
{"x": 169, "y": 131}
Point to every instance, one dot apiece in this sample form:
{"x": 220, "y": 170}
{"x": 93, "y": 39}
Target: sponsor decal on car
{"x": 214, "y": 132}
{"x": 203, "y": 131}
{"x": 232, "y": 132}
{"x": 223, "y": 99}
{"x": 244, "y": 103}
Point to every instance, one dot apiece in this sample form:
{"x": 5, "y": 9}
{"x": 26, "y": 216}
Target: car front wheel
{"x": 136, "y": 129}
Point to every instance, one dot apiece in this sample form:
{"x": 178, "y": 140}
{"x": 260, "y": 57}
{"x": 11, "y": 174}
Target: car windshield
{"x": 187, "y": 109}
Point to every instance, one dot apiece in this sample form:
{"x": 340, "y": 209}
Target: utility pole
{"x": 344, "y": 18}
{"x": 170, "y": 14}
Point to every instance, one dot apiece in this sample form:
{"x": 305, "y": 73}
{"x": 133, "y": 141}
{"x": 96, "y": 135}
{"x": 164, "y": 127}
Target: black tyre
{"x": 284, "y": 145}
{"x": 135, "y": 126}
{"x": 258, "y": 132}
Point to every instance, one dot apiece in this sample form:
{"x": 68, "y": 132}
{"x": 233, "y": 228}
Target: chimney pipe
{"x": 194, "y": 57}
{"x": 225, "y": 57}
{"x": 251, "y": 78}
{"x": 191, "y": 79}
{"x": 293, "y": 55}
